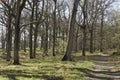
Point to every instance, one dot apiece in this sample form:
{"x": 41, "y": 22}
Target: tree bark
{"x": 35, "y": 31}
{"x": 67, "y": 56}
{"x": 9, "y": 37}
{"x": 24, "y": 41}
{"x": 30, "y": 41}
{"x": 17, "y": 38}
{"x": 35, "y": 40}
{"x": 31, "y": 33}
{"x": 3, "y": 39}
{"x": 54, "y": 28}
{"x": 91, "y": 41}
{"x": 76, "y": 40}
{"x": 84, "y": 27}
{"x": 84, "y": 42}
{"x": 46, "y": 40}
{"x": 101, "y": 32}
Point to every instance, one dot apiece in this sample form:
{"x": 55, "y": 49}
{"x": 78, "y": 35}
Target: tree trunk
{"x": 54, "y": 28}
{"x": 84, "y": 27}
{"x": 31, "y": 33}
{"x": 17, "y": 31}
{"x": 63, "y": 37}
{"x": 94, "y": 43}
{"x": 24, "y": 41}
{"x": 46, "y": 39}
{"x": 35, "y": 40}
{"x": 76, "y": 40}
{"x": 30, "y": 41}
{"x": 9, "y": 38}
{"x": 101, "y": 32}
{"x": 17, "y": 39}
{"x": 35, "y": 33}
{"x": 42, "y": 41}
{"x": 67, "y": 56}
{"x": 50, "y": 38}
{"x": 3, "y": 39}
{"x": 84, "y": 42}
{"x": 91, "y": 41}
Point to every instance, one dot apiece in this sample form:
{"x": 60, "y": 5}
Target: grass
{"x": 51, "y": 68}
{"x": 44, "y": 68}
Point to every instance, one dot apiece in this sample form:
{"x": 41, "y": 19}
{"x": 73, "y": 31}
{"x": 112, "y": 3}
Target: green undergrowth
{"x": 45, "y": 68}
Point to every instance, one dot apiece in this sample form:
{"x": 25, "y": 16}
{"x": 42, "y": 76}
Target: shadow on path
{"x": 100, "y": 75}
{"x": 104, "y": 68}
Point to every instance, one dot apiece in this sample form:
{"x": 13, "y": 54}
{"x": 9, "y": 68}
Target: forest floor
{"x": 92, "y": 67}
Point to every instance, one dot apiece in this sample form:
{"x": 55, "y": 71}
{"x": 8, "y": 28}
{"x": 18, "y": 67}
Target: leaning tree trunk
{"x": 67, "y": 56}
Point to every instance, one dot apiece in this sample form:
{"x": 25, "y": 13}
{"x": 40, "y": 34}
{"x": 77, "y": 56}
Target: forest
{"x": 59, "y": 39}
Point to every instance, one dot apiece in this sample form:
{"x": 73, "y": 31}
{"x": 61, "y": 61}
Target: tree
{"x": 20, "y": 4}
{"x": 54, "y": 28}
{"x": 3, "y": 39}
{"x": 84, "y": 10}
{"x": 67, "y": 56}
{"x": 9, "y": 36}
{"x": 32, "y": 4}
{"x": 104, "y": 5}
{"x": 7, "y": 21}
{"x": 93, "y": 13}
{"x": 46, "y": 24}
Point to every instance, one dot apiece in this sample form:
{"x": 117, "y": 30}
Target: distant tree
{"x": 104, "y": 5}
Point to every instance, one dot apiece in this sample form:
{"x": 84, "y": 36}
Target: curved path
{"x": 106, "y": 68}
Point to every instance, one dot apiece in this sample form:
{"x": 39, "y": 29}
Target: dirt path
{"x": 106, "y": 68}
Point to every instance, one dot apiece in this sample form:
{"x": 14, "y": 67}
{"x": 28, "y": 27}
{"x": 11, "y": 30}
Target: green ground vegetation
{"x": 43, "y": 68}
{"x": 48, "y": 67}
